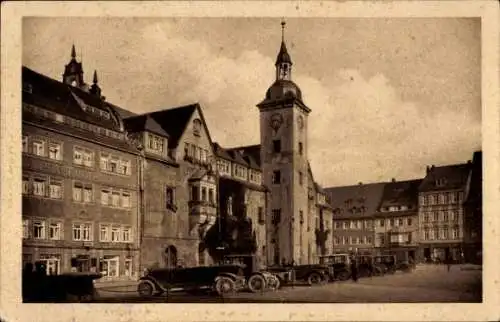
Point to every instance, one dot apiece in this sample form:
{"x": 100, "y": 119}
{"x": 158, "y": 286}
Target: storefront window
{"x": 110, "y": 266}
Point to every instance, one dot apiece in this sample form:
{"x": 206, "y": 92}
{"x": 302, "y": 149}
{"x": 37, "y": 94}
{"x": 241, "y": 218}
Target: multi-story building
{"x": 441, "y": 211}
{"x": 79, "y": 178}
{"x": 354, "y": 210}
{"x": 473, "y": 206}
{"x": 396, "y": 220}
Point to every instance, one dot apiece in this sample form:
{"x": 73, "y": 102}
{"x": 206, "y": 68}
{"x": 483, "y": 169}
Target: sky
{"x": 388, "y": 96}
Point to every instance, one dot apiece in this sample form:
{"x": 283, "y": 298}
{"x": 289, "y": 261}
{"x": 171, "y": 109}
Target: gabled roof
{"x": 221, "y": 152}
{"x": 249, "y": 154}
{"x": 174, "y": 121}
{"x": 401, "y": 193}
{"x": 237, "y": 157}
{"x": 355, "y": 201}
{"x": 144, "y": 123}
{"x": 66, "y": 100}
{"x": 475, "y": 182}
{"x": 451, "y": 177}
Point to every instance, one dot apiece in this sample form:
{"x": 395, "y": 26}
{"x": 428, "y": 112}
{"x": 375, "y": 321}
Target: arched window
{"x": 196, "y": 127}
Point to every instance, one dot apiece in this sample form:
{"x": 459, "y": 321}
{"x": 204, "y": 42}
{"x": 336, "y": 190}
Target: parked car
{"x": 224, "y": 279}
{"x": 312, "y": 274}
{"x": 387, "y": 262}
{"x": 367, "y": 266}
{"x": 66, "y": 287}
{"x": 257, "y": 278}
{"x": 340, "y": 265}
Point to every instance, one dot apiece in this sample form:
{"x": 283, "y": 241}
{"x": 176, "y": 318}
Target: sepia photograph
{"x": 251, "y": 159}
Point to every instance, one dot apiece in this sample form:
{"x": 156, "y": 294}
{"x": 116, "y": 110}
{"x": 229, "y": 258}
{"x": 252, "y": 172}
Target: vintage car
{"x": 312, "y": 274}
{"x": 367, "y": 266}
{"x": 387, "y": 262}
{"x": 223, "y": 279}
{"x": 257, "y": 279}
{"x": 340, "y": 264}
{"x": 66, "y": 287}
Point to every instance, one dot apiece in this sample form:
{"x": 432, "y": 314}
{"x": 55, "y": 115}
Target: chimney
{"x": 360, "y": 183}
{"x": 427, "y": 170}
{"x": 393, "y": 179}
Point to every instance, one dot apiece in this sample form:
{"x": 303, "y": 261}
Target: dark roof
{"x": 355, "y": 201}
{"x": 250, "y": 155}
{"x": 221, "y": 152}
{"x": 453, "y": 176}
{"x": 237, "y": 157}
{"x": 401, "y": 193}
{"x": 283, "y": 55}
{"x": 174, "y": 121}
{"x": 123, "y": 112}
{"x": 475, "y": 183}
{"x": 66, "y": 99}
{"x": 144, "y": 123}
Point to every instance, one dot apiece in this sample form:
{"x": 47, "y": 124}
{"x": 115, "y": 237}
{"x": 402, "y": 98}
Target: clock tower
{"x": 283, "y": 131}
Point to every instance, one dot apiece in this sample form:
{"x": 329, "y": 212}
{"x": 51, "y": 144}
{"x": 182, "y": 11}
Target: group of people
{"x": 32, "y": 280}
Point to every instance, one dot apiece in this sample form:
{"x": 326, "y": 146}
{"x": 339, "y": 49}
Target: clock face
{"x": 300, "y": 122}
{"x": 276, "y": 121}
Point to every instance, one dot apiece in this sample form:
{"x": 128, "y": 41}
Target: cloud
{"x": 360, "y": 128}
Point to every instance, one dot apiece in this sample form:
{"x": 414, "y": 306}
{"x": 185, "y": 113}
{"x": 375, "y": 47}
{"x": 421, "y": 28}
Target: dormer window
{"x": 440, "y": 182}
{"x": 155, "y": 144}
{"x": 196, "y": 127}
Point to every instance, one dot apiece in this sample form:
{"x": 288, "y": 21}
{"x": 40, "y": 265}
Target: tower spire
{"x": 73, "y": 52}
{"x": 95, "y": 77}
{"x": 283, "y": 61}
{"x": 283, "y": 24}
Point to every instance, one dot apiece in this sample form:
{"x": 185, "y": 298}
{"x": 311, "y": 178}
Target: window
{"x": 82, "y": 232}
{"x": 88, "y": 193}
{"x": 25, "y": 144}
{"x": 336, "y": 240}
{"x": 124, "y": 167}
{"x": 346, "y": 225}
{"x": 113, "y": 164}
{"x": 26, "y": 185}
{"x": 211, "y": 197}
{"x": 55, "y": 151}
{"x": 105, "y": 162}
{"x": 426, "y": 217}
{"x": 77, "y": 191}
{"x": 453, "y": 197}
{"x": 426, "y": 234}
{"x": 169, "y": 197}
{"x": 276, "y": 146}
{"x": 381, "y": 222}
{"x": 301, "y": 148}
{"x": 436, "y": 216}
{"x": 105, "y": 197}
{"x": 391, "y": 222}
{"x": 400, "y": 221}
{"x": 431, "y": 233}
{"x": 454, "y": 233}
{"x": 115, "y": 199}
{"x": 338, "y": 225}
{"x": 408, "y": 221}
{"x": 204, "y": 194}
{"x": 358, "y": 240}
{"x": 77, "y": 156}
{"x": 55, "y": 231}
{"x": 39, "y": 187}
{"x": 432, "y": 200}
{"x": 39, "y": 148}
{"x": 369, "y": 240}
{"x": 126, "y": 234}
{"x": 88, "y": 158}
{"x": 445, "y": 216}
{"x": 39, "y": 229}
{"x": 26, "y": 228}
{"x": 155, "y": 143}
{"x": 301, "y": 178}
{"x": 125, "y": 200}
{"x": 260, "y": 214}
{"x": 104, "y": 233}
{"x": 276, "y": 216}
{"x": 276, "y": 177}
{"x": 110, "y": 266}
{"x": 196, "y": 127}
{"x": 115, "y": 234}
{"x": 195, "y": 192}
{"x": 442, "y": 234}
{"x": 453, "y": 215}
{"x": 55, "y": 189}
{"x": 128, "y": 266}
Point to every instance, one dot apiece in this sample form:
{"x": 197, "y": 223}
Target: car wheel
{"x": 145, "y": 289}
{"x": 314, "y": 278}
{"x": 343, "y": 276}
{"x": 273, "y": 283}
{"x": 224, "y": 285}
{"x": 256, "y": 283}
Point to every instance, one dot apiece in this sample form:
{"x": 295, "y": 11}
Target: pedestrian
{"x": 354, "y": 270}
{"x": 448, "y": 263}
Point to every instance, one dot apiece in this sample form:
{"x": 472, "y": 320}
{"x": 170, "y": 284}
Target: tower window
{"x": 301, "y": 178}
{"x": 276, "y": 146}
{"x": 277, "y": 177}
{"x": 301, "y": 148}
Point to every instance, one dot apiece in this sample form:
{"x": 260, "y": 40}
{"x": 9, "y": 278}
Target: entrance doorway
{"x": 427, "y": 254}
{"x": 170, "y": 256}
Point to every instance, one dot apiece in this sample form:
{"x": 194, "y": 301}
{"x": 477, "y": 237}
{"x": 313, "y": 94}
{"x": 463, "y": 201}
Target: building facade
{"x": 441, "y": 211}
{"x": 396, "y": 220}
{"x": 80, "y": 178}
{"x": 354, "y": 211}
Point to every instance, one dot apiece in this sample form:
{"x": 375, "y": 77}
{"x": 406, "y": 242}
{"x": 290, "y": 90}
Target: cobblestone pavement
{"x": 425, "y": 284}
